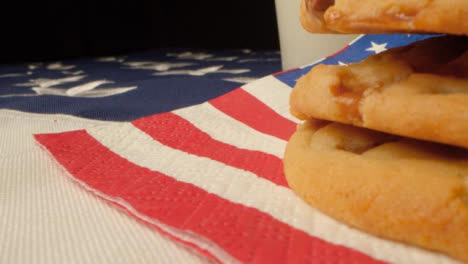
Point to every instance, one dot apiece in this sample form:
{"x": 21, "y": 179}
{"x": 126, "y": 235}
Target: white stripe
{"x": 229, "y": 130}
{"x": 356, "y": 39}
{"x": 273, "y": 93}
{"x": 243, "y": 187}
{"x": 313, "y": 63}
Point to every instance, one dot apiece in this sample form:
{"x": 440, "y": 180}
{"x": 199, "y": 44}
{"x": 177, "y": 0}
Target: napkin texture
{"x": 210, "y": 176}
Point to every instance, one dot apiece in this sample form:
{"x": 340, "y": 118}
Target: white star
{"x": 377, "y": 48}
{"x": 59, "y": 66}
{"x": 191, "y": 56}
{"x": 342, "y": 63}
{"x": 203, "y": 71}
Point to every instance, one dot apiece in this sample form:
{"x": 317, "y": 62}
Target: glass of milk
{"x": 299, "y": 47}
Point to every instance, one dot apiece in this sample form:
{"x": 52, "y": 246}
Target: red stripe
{"x": 244, "y": 232}
{"x": 178, "y": 133}
{"x": 338, "y": 52}
{"x": 285, "y": 71}
{"x": 247, "y": 109}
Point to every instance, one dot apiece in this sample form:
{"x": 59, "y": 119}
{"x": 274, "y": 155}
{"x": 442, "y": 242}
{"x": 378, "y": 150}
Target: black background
{"x": 68, "y": 29}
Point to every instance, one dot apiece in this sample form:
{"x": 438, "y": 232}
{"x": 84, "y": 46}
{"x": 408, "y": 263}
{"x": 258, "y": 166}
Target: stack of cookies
{"x": 384, "y": 142}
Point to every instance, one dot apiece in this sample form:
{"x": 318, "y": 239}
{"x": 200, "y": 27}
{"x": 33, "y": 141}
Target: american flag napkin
{"x": 210, "y": 176}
